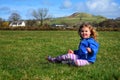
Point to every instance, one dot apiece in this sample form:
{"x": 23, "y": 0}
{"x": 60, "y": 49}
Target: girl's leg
{"x": 68, "y": 57}
{"x": 63, "y": 58}
{"x": 80, "y": 62}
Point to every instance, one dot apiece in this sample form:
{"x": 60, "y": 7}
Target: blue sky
{"x": 60, "y": 8}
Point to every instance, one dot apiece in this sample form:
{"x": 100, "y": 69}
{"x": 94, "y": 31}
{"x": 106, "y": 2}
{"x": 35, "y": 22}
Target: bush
{"x": 110, "y": 23}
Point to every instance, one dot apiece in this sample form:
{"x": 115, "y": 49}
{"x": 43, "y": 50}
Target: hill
{"x": 80, "y": 14}
{"x": 77, "y": 17}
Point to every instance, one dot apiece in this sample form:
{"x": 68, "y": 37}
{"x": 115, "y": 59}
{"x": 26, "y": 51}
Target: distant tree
{"x": 14, "y": 17}
{"x": 41, "y": 14}
{"x": 118, "y": 18}
{"x": 1, "y": 21}
{"x": 110, "y": 23}
{"x": 31, "y": 23}
{"x": 5, "y": 24}
{"x": 82, "y": 15}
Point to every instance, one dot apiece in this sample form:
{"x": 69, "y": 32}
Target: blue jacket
{"x": 82, "y": 51}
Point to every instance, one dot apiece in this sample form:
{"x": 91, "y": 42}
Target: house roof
{"x": 17, "y": 23}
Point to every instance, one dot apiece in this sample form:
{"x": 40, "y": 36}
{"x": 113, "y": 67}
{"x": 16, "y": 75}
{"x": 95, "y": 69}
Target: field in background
{"x": 22, "y": 56}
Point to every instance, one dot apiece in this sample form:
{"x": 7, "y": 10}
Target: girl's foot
{"x": 50, "y": 59}
{"x": 71, "y": 62}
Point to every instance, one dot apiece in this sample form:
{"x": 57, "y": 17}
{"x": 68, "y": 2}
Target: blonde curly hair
{"x": 94, "y": 34}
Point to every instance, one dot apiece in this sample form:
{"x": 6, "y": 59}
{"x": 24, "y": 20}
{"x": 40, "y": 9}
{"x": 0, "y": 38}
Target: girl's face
{"x": 85, "y": 32}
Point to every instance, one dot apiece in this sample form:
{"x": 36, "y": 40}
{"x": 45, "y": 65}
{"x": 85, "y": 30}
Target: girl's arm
{"x": 89, "y": 50}
{"x": 93, "y": 47}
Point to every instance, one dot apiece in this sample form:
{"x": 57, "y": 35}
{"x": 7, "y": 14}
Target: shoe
{"x": 65, "y": 62}
{"x": 71, "y": 62}
{"x": 50, "y": 59}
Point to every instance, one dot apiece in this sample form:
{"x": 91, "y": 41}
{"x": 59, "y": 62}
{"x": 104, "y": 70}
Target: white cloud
{"x": 46, "y": 2}
{"x": 97, "y": 5}
{"x": 66, "y": 4}
{"x": 81, "y": 7}
{"x": 100, "y": 6}
{"x": 4, "y": 10}
{"x": 107, "y": 8}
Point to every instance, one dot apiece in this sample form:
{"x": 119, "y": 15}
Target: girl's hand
{"x": 89, "y": 50}
{"x": 70, "y": 51}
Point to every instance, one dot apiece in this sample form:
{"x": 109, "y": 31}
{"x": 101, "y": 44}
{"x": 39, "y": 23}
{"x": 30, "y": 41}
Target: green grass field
{"x": 22, "y": 56}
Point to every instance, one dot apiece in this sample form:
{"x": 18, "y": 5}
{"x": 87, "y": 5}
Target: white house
{"x": 17, "y": 23}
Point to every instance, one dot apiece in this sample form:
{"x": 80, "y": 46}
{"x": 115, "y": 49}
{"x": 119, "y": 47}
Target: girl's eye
{"x": 82, "y": 31}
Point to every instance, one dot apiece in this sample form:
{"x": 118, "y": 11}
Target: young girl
{"x": 87, "y": 49}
